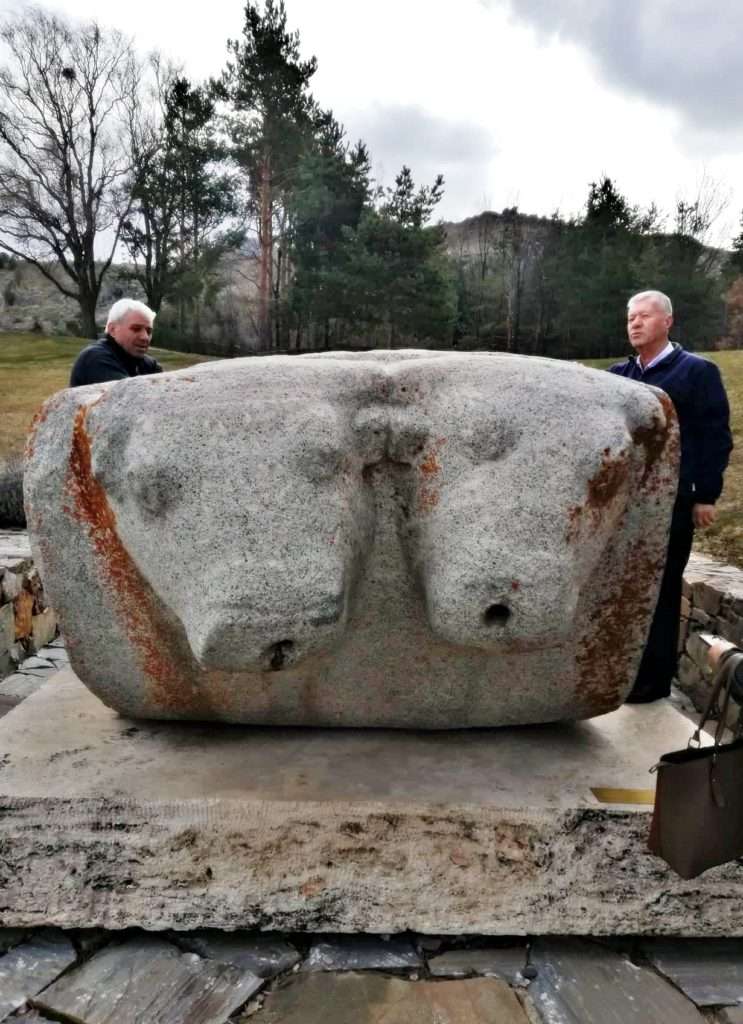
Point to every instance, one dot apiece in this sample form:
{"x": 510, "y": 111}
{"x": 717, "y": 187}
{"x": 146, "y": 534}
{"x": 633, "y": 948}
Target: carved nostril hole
{"x": 279, "y": 654}
{"x": 496, "y": 615}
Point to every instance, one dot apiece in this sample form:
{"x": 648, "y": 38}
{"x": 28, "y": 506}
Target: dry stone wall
{"x": 26, "y": 622}
{"x": 712, "y": 603}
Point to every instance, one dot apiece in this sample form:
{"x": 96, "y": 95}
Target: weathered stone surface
{"x": 10, "y": 585}
{"x": 710, "y": 973}
{"x": 37, "y": 662}
{"x": 149, "y": 980}
{"x": 15, "y": 550}
{"x": 730, "y": 1015}
{"x": 56, "y": 654}
{"x": 580, "y": 982}
{"x": 30, "y": 967}
{"x": 707, "y": 598}
{"x": 264, "y": 955}
{"x": 114, "y": 823}
{"x": 43, "y": 628}
{"x": 442, "y": 588}
{"x": 701, "y": 617}
{"x": 16, "y": 687}
{"x": 7, "y": 628}
{"x": 373, "y": 999}
{"x": 362, "y": 953}
{"x": 493, "y": 962}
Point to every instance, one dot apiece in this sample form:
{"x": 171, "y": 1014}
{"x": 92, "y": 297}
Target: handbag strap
{"x": 721, "y": 681}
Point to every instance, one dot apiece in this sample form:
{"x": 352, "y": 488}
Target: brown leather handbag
{"x": 698, "y": 813}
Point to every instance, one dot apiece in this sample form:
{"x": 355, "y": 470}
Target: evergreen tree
{"x": 271, "y": 119}
{"x": 182, "y": 206}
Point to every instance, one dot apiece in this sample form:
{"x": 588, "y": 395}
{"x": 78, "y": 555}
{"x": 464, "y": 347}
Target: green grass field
{"x": 33, "y": 367}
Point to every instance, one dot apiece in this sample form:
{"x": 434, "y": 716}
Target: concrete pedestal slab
{"x": 109, "y": 822}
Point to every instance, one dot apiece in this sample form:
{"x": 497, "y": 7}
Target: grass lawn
{"x": 33, "y": 367}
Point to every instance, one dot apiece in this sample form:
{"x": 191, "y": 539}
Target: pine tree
{"x": 266, "y": 84}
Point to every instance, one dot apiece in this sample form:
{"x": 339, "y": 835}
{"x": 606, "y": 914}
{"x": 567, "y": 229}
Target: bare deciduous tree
{"x": 67, "y": 95}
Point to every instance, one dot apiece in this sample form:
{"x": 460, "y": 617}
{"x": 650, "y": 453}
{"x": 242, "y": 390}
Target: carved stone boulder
{"x": 401, "y": 539}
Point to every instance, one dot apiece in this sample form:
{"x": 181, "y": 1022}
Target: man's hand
{"x": 717, "y": 650}
{"x": 703, "y": 515}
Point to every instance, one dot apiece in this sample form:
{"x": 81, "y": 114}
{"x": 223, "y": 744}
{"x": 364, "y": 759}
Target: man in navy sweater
{"x": 696, "y": 389}
{"x": 122, "y": 351}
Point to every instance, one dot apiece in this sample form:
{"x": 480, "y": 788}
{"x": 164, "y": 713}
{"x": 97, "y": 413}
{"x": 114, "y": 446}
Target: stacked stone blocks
{"x": 712, "y": 602}
{"x": 26, "y": 622}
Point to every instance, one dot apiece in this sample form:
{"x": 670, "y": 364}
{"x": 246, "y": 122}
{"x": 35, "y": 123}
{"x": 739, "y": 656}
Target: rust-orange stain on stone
{"x": 430, "y": 467}
{"x": 655, "y": 438}
{"x": 603, "y": 487}
{"x": 603, "y": 654}
{"x": 90, "y": 507}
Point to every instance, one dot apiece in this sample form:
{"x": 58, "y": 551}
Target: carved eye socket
{"x": 323, "y": 461}
{"x": 488, "y": 442}
{"x": 155, "y": 490}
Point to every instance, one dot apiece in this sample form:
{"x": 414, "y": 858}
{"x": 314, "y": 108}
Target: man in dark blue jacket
{"x": 696, "y": 389}
{"x": 122, "y": 351}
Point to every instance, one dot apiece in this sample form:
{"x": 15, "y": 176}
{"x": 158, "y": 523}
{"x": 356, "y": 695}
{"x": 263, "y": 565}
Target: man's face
{"x": 133, "y": 332}
{"x": 647, "y": 326}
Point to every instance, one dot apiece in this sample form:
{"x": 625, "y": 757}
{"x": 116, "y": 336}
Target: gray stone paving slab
{"x": 373, "y": 999}
{"x": 492, "y": 962}
{"x": 362, "y": 953}
{"x": 16, "y": 687}
{"x": 29, "y": 967}
{"x": 710, "y": 972}
{"x": 582, "y": 983}
{"x": 487, "y": 832}
{"x": 150, "y": 980}
{"x": 264, "y": 954}
{"x": 37, "y": 662}
{"x": 56, "y": 655}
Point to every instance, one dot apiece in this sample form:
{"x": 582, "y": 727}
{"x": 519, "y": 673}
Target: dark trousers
{"x": 660, "y": 658}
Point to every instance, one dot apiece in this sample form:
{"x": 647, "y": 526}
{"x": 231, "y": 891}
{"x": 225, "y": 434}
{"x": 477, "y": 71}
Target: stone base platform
{"x": 110, "y": 822}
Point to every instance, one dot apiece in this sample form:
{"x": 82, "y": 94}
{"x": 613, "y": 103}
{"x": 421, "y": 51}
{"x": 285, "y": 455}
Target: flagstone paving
{"x": 98, "y": 977}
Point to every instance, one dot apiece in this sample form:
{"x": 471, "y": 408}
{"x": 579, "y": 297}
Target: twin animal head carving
{"x": 390, "y": 539}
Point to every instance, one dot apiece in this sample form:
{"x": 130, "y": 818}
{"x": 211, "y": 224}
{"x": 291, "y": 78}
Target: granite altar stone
{"x": 393, "y": 539}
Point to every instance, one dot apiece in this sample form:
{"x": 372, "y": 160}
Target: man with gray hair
{"x": 122, "y": 351}
{"x": 696, "y": 389}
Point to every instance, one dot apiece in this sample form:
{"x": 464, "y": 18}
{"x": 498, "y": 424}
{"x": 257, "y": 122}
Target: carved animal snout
{"x": 242, "y": 638}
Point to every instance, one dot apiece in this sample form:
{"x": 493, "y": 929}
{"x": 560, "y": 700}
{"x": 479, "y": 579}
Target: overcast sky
{"x": 516, "y": 102}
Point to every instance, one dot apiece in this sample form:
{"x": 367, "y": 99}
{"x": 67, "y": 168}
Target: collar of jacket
{"x": 668, "y": 361}
{"x": 131, "y": 362}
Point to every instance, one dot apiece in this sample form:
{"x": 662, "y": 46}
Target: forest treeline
{"x": 110, "y": 159}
